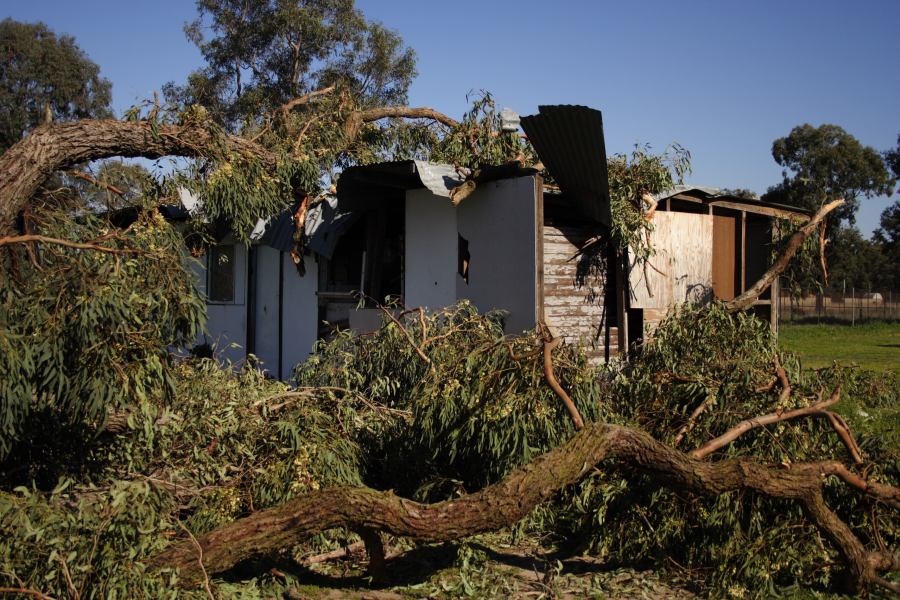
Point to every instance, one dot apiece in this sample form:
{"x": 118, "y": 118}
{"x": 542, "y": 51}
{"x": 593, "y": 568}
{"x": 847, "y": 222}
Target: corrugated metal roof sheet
{"x": 404, "y": 174}
{"x": 438, "y": 178}
{"x": 279, "y": 232}
{"x": 569, "y": 140}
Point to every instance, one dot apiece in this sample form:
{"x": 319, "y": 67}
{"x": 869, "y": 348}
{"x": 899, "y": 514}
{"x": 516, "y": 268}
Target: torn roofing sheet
{"x": 438, "y": 178}
{"x": 325, "y": 224}
{"x": 569, "y": 141}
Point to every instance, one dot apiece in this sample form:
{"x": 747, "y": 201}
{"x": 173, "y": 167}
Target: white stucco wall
{"x": 266, "y": 310}
{"x": 500, "y": 222}
{"x": 301, "y": 313}
{"x": 431, "y": 250}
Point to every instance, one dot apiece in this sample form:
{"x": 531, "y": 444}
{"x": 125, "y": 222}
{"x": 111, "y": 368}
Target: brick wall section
{"x": 574, "y": 292}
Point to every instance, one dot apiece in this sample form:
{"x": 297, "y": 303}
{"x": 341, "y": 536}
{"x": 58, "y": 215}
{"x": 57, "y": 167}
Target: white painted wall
{"x": 266, "y": 322}
{"x": 500, "y": 222}
{"x": 301, "y": 313}
{"x": 431, "y": 250}
{"x": 227, "y": 321}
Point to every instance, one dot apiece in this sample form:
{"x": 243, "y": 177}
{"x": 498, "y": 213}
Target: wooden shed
{"x": 708, "y": 244}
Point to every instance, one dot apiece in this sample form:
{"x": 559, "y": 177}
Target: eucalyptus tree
{"x": 261, "y": 55}
{"x": 117, "y": 297}
{"x": 826, "y": 162}
{"x": 44, "y": 75}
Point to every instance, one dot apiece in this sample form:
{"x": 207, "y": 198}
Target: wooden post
{"x": 775, "y": 305}
{"x": 622, "y": 292}
{"x": 743, "y": 251}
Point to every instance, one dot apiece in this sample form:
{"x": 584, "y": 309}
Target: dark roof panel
{"x": 569, "y": 140}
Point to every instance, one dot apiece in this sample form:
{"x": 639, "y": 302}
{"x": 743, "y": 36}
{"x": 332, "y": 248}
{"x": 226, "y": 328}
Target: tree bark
{"x": 356, "y": 120}
{"x": 48, "y": 148}
{"x": 511, "y": 499}
{"x": 27, "y": 164}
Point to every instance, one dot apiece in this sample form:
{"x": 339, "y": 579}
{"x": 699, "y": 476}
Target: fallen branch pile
{"x": 511, "y": 499}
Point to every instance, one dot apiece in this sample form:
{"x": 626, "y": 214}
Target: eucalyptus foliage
{"x": 740, "y": 543}
{"x": 480, "y": 140}
{"x": 478, "y": 414}
{"x": 229, "y": 443}
{"x": 371, "y": 410}
{"x": 82, "y": 331}
{"x": 630, "y": 177}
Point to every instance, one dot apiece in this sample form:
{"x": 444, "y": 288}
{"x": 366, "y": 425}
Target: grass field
{"x": 873, "y": 346}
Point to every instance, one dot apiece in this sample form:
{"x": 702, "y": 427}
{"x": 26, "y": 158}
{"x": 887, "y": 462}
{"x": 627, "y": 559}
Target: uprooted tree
{"x": 246, "y": 173}
{"x": 53, "y": 147}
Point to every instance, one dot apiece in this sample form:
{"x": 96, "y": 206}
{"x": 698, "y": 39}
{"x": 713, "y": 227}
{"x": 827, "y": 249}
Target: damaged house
{"x": 536, "y": 252}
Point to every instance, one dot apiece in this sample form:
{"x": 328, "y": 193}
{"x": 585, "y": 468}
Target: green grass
{"x": 874, "y": 346}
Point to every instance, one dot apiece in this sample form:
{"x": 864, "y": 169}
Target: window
{"x": 463, "y": 258}
{"x": 220, "y": 283}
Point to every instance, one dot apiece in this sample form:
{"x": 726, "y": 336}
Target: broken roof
{"x": 439, "y": 178}
{"x": 569, "y": 141}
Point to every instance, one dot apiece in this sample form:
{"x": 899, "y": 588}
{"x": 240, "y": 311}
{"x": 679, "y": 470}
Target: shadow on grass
{"x": 826, "y": 320}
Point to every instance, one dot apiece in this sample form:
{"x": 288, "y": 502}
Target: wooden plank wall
{"x": 681, "y": 267}
{"x": 725, "y": 262}
{"x": 574, "y": 289}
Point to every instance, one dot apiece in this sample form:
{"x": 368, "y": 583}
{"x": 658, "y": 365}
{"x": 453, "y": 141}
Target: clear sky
{"x": 723, "y": 78}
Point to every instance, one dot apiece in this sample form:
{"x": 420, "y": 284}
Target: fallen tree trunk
{"x": 27, "y": 164}
{"x": 511, "y": 499}
{"x": 51, "y": 147}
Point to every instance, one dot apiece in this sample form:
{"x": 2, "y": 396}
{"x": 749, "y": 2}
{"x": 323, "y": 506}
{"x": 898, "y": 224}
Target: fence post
{"x": 852, "y": 306}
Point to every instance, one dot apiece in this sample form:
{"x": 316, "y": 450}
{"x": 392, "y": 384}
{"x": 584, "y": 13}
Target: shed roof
{"x": 716, "y": 197}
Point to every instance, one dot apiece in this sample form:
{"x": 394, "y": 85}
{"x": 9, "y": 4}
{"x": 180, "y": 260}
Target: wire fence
{"x": 852, "y": 306}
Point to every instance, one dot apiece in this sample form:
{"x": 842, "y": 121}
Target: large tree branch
{"x": 306, "y": 98}
{"x": 27, "y": 164}
{"x": 26, "y": 239}
{"x": 749, "y": 297}
{"x": 550, "y": 343}
{"x": 52, "y": 147}
{"x": 511, "y": 499}
{"x": 778, "y": 416}
{"x": 355, "y": 121}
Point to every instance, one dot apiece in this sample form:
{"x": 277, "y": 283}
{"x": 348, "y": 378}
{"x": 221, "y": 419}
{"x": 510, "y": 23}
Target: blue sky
{"x": 722, "y": 78}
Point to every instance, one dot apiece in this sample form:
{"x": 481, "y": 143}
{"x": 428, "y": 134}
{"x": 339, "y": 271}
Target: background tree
{"x": 740, "y": 193}
{"x": 888, "y": 235}
{"x": 892, "y": 158}
{"x": 855, "y": 262}
{"x": 39, "y": 70}
{"x": 826, "y": 162}
{"x": 261, "y": 55}
{"x": 112, "y": 184}
{"x": 821, "y": 163}
{"x": 888, "y": 238}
